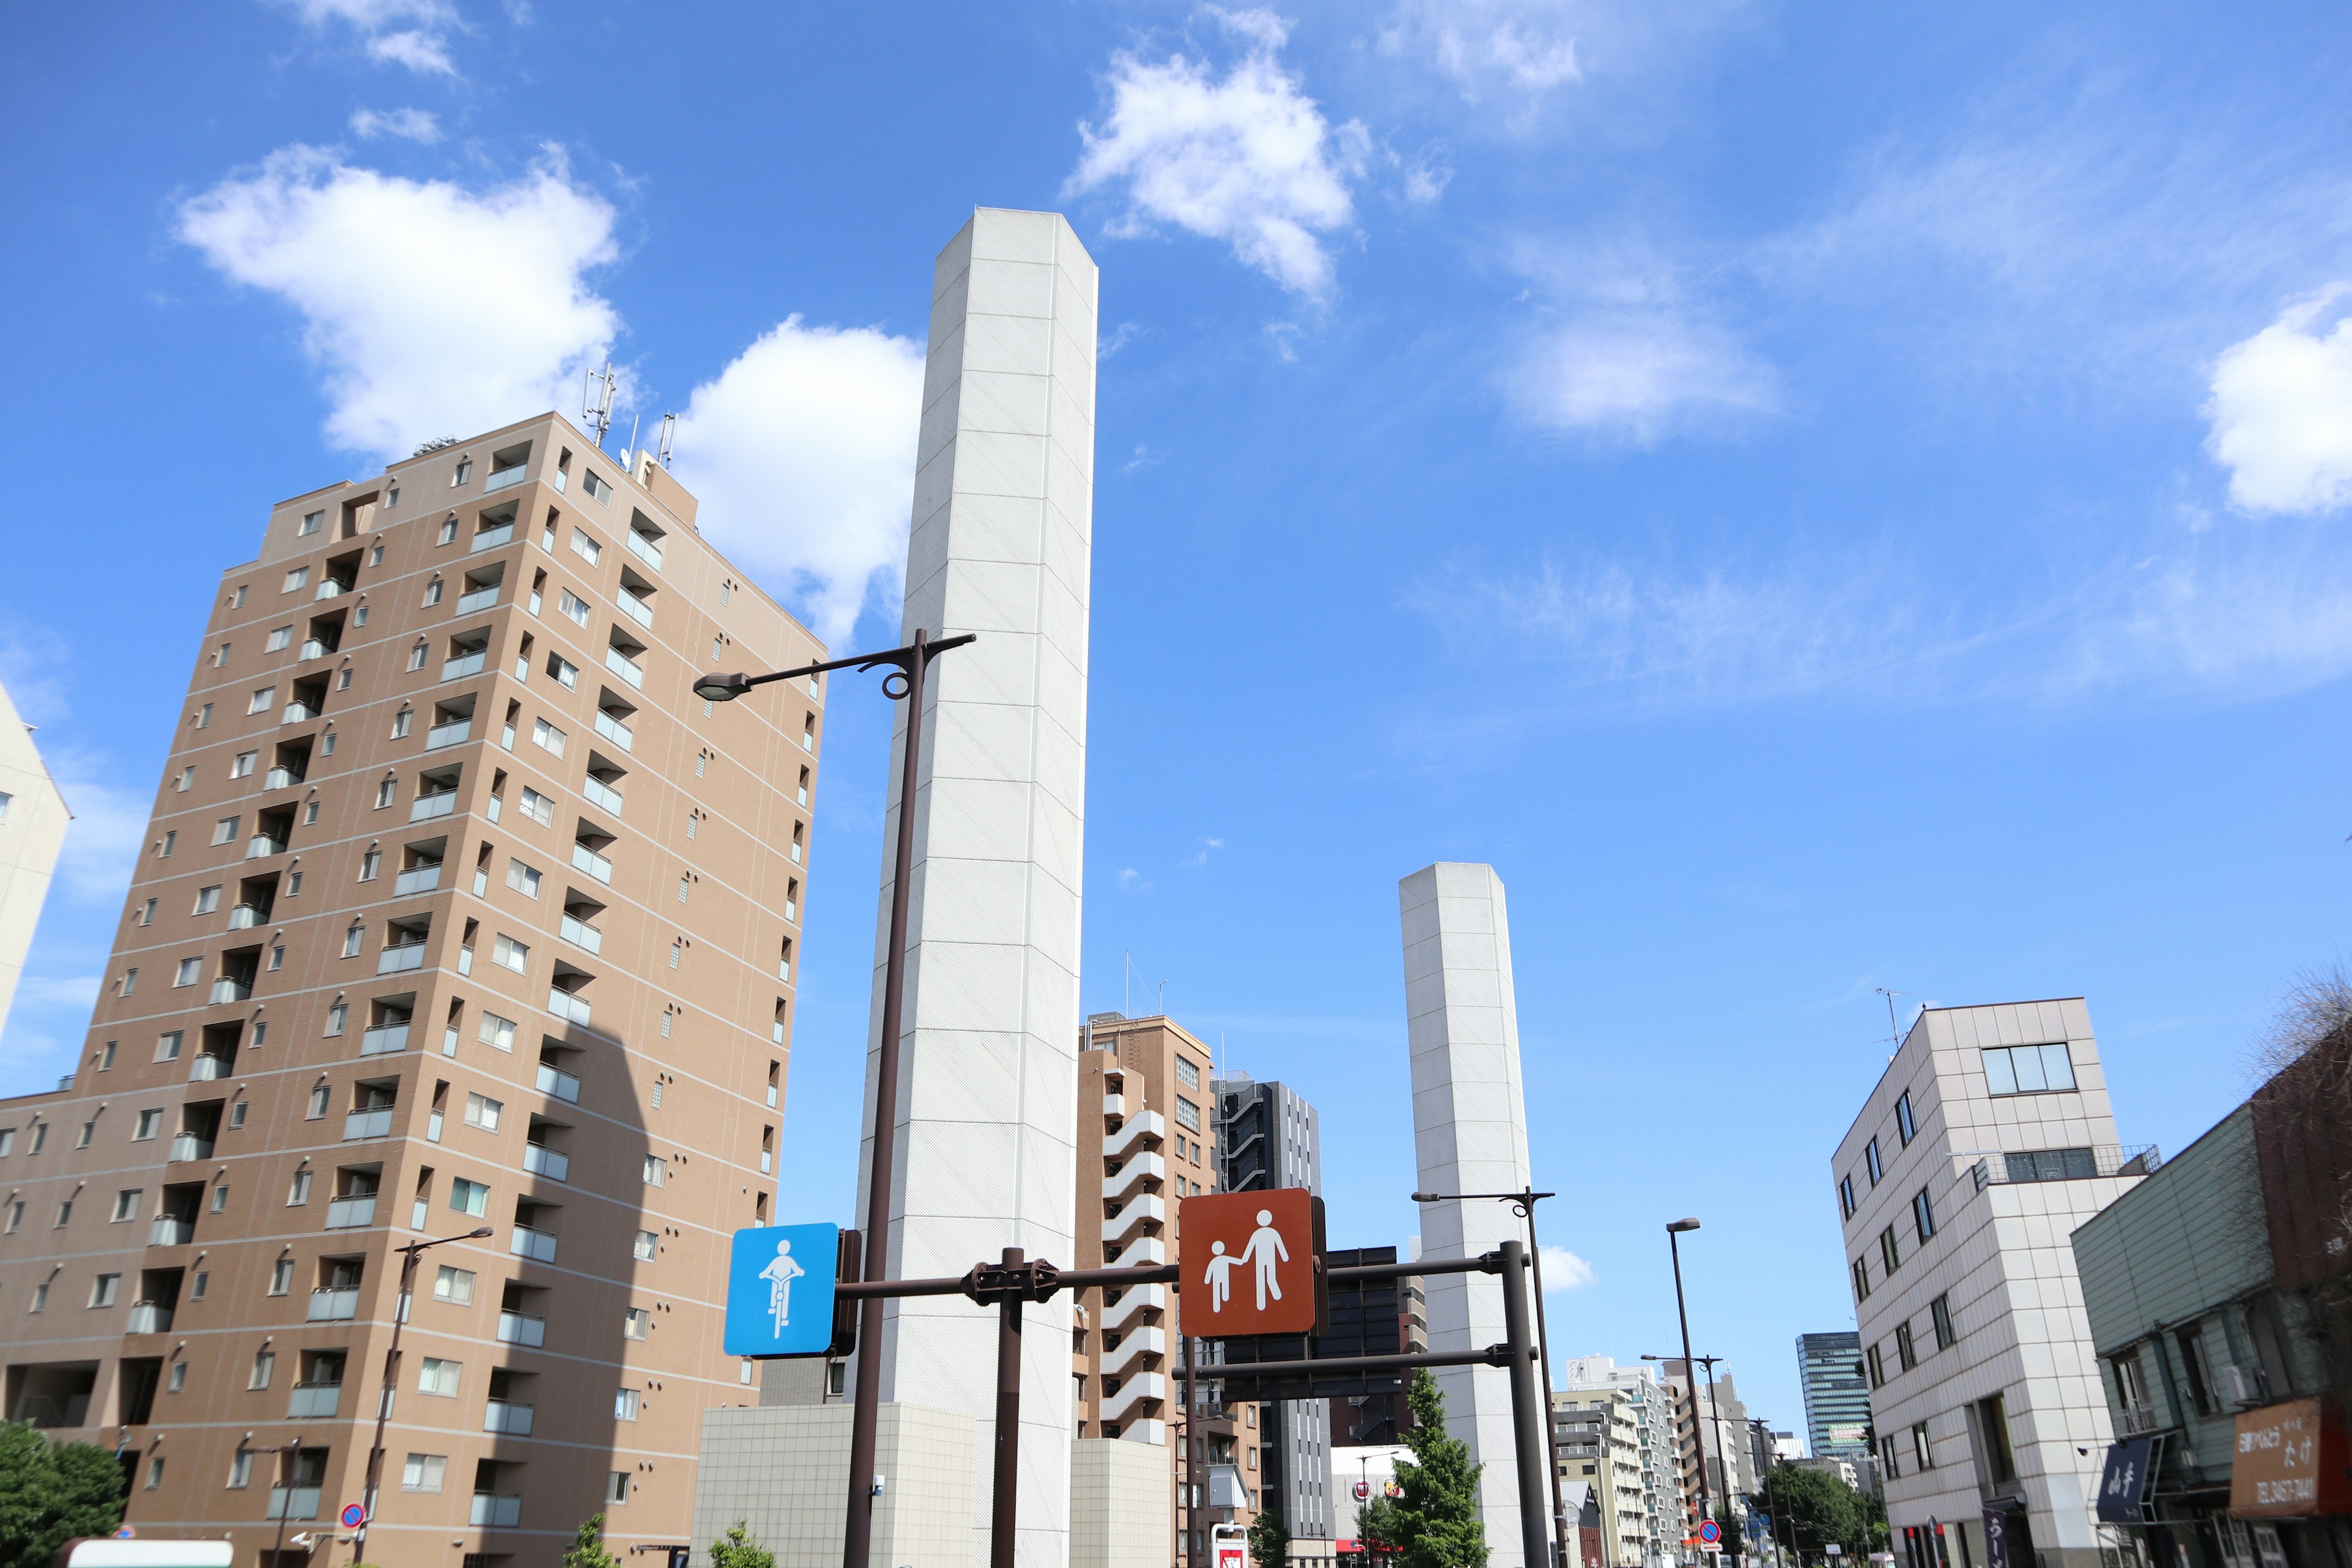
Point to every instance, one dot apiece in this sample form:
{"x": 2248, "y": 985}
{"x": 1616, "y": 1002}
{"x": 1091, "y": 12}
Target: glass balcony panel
{"x": 644, "y": 548}
{"x": 313, "y": 1401}
{"x": 293, "y": 1503}
{"x": 333, "y": 1305}
{"x": 260, "y": 845}
{"x": 417, "y": 879}
{"x": 150, "y": 1318}
{"x": 542, "y": 1161}
{"x": 496, "y": 1510}
{"x": 402, "y": 959}
{"x": 507, "y": 1416}
{"x": 351, "y": 1213}
{"x": 565, "y": 1004}
{"x": 296, "y": 712}
{"x": 429, "y": 806}
{"x": 383, "y": 1040}
{"x": 464, "y": 663}
{"x": 312, "y": 648}
{"x": 367, "y": 1124}
{"x": 536, "y": 1245}
{"x": 207, "y": 1069}
{"x": 560, "y": 480}
{"x": 442, "y": 735}
{"x": 168, "y": 1231}
{"x": 479, "y": 599}
{"x": 491, "y": 538}
{"x": 505, "y": 477}
{"x": 580, "y": 933}
{"x": 588, "y": 860}
{"x": 521, "y": 1329}
{"x": 332, "y": 589}
{"x": 554, "y": 1081}
{"x": 245, "y": 917}
{"x": 622, "y": 665}
{"x": 280, "y": 778}
{"x": 612, "y": 729}
{"x": 188, "y": 1146}
{"x": 637, "y": 609}
{"x": 602, "y": 794}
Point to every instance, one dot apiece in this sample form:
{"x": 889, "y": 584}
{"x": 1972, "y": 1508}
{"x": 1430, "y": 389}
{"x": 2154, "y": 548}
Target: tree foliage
{"x": 587, "y": 1549}
{"x": 1813, "y": 1508}
{"x": 1269, "y": 1536}
{"x": 49, "y": 1493}
{"x": 740, "y": 1549}
{"x": 1435, "y": 1524}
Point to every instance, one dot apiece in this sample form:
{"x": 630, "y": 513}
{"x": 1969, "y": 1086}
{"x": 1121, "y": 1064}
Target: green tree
{"x": 1269, "y": 1538}
{"x": 1812, "y": 1509}
{"x": 49, "y": 1493}
{"x": 740, "y": 1549}
{"x": 587, "y": 1549}
{"x": 1435, "y": 1524}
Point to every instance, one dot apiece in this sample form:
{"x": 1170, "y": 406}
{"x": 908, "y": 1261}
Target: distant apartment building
{"x": 1987, "y": 1140}
{"x": 1837, "y": 1395}
{"x": 33, "y": 819}
{"x": 456, "y": 912}
{"x": 1711, "y": 1429}
{"x": 1269, "y": 1136}
{"x": 1639, "y": 1408}
{"x": 1387, "y": 1317}
{"x": 1148, "y": 1140}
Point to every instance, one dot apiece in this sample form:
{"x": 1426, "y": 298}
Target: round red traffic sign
{"x": 1362, "y": 1491}
{"x": 353, "y": 1516}
{"x": 1710, "y": 1531}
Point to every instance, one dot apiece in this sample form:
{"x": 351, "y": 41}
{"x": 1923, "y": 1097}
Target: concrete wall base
{"x": 784, "y": 1471}
{"x": 1122, "y": 1514}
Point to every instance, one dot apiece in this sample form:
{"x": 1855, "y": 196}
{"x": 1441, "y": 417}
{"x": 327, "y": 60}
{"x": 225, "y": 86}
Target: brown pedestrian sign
{"x": 1252, "y": 1263}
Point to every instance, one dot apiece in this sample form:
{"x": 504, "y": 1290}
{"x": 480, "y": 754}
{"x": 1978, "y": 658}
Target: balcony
{"x": 245, "y": 917}
{"x": 351, "y": 1213}
{"x": 479, "y": 599}
{"x": 293, "y": 1503}
{"x": 539, "y": 1246}
{"x": 496, "y": 1510}
{"x": 2078, "y": 1163}
{"x": 1114, "y": 1105}
{"x": 313, "y": 1401}
{"x": 2139, "y": 1420}
{"x": 622, "y": 665}
{"x": 521, "y": 1329}
{"x": 330, "y": 589}
{"x": 588, "y": 860}
{"x": 565, "y": 1004}
{"x": 612, "y": 729}
{"x": 208, "y": 1070}
{"x": 505, "y": 477}
{"x": 644, "y": 548}
{"x": 454, "y": 734}
{"x": 464, "y": 663}
{"x": 280, "y": 778}
{"x": 261, "y": 845}
{"x": 297, "y": 713}
{"x": 417, "y": 879}
{"x": 333, "y": 1305}
{"x": 171, "y": 1231}
{"x": 375, "y": 1123}
{"x": 384, "y": 1039}
{"x": 491, "y": 539}
{"x": 429, "y": 806}
{"x": 637, "y": 609}
{"x": 602, "y": 794}
{"x": 580, "y": 933}
{"x": 507, "y": 1416}
{"x": 312, "y": 648}
{"x": 150, "y": 1318}
{"x": 542, "y": 1161}
{"x": 400, "y": 959}
{"x": 187, "y": 1147}
{"x": 554, "y": 1081}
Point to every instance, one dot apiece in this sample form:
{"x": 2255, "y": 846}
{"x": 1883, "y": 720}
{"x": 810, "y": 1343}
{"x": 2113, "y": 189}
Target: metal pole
{"x": 1529, "y": 1448}
{"x": 384, "y": 1397}
{"x": 857, "y": 1538}
{"x": 1005, "y": 1512}
{"x": 1543, "y": 1345}
{"x": 1714, "y": 1420}
{"x": 1690, "y": 1377}
{"x": 1190, "y": 1513}
{"x": 286, "y": 1497}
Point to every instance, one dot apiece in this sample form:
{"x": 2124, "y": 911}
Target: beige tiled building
{"x": 458, "y": 911}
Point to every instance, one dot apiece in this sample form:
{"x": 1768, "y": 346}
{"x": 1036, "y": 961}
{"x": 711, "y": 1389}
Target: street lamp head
{"x": 1429, "y": 1197}
{"x": 722, "y": 687}
{"x": 482, "y": 1235}
{"x": 1675, "y": 1226}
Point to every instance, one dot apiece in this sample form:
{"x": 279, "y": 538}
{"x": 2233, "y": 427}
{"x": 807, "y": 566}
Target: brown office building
{"x": 1147, "y": 1139}
{"x": 458, "y": 910}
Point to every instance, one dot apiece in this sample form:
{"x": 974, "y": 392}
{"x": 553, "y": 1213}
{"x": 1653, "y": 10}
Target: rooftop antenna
{"x": 668, "y": 437}
{"x": 630, "y": 454}
{"x": 1893, "y": 1030}
{"x": 1164, "y": 998}
{"x": 596, "y": 405}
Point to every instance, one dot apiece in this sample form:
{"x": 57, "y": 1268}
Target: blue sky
{"x": 1820, "y": 499}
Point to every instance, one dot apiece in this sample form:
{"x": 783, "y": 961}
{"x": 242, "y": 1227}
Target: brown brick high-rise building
{"x": 458, "y": 911}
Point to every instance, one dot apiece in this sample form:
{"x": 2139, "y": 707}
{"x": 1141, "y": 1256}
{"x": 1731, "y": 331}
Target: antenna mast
{"x": 596, "y": 402}
{"x": 668, "y": 437}
{"x": 1893, "y": 1030}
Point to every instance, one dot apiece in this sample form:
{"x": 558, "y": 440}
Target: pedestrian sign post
{"x": 781, "y": 1291}
{"x": 1253, "y": 1263}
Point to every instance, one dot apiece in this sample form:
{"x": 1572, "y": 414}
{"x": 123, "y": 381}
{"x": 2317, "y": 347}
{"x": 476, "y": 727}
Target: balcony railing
{"x": 464, "y": 663}
{"x": 150, "y": 1318}
{"x": 588, "y": 860}
{"x": 505, "y": 477}
{"x": 637, "y": 609}
{"x": 622, "y": 665}
{"x": 280, "y": 778}
{"x": 2140, "y": 1419}
{"x": 187, "y": 1146}
{"x": 226, "y": 989}
{"x": 208, "y": 1069}
{"x": 333, "y": 1304}
{"x": 506, "y": 1416}
{"x": 169, "y": 1230}
{"x": 261, "y": 845}
{"x": 313, "y": 1401}
{"x": 417, "y": 879}
{"x": 496, "y": 1510}
{"x": 245, "y": 917}
{"x": 429, "y": 806}
{"x": 384, "y": 1039}
{"x": 491, "y": 538}
{"x": 293, "y": 1503}
{"x": 330, "y": 589}
{"x": 442, "y": 735}
{"x": 521, "y": 1329}
{"x": 560, "y": 480}
{"x": 401, "y": 959}
{"x": 2078, "y": 1163}
{"x": 351, "y": 1213}
{"x": 479, "y": 599}
{"x": 312, "y": 648}
{"x": 542, "y": 1161}
{"x": 565, "y": 1004}
{"x": 537, "y": 1244}
{"x": 644, "y": 548}
{"x": 612, "y": 729}
{"x": 602, "y": 793}
{"x": 554, "y": 1081}
{"x": 580, "y": 933}
{"x": 376, "y": 1123}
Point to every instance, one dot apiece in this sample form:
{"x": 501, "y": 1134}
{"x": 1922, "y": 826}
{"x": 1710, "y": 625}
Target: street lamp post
{"x": 910, "y": 666}
{"x": 391, "y": 1381}
{"x": 1675, "y": 1229}
{"x": 285, "y": 1497}
{"x": 1523, "y": 1204}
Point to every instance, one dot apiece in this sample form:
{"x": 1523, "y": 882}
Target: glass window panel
{"x": 2058, "y": 1067}
{"x": 1999, "y": 1079}
{"x": 2027, "y": 1064}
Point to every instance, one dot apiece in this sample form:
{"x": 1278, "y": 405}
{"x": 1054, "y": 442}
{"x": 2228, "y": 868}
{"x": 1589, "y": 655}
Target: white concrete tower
{"x": 33, "y": 819}
{"x": 987, "y": 1128}
{"x": 1469, "y": 1135}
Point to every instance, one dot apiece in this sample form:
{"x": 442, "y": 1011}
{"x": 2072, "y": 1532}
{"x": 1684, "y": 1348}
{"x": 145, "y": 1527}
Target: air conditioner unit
{"x": 2242, "y": 1384}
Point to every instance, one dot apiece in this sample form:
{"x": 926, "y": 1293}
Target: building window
{"x": 281, "y": 1280}
{"x": 522, "y": 879}
{"x": 298, "y": 577}
{"x": 103, "y": 1289}
{"x": 1187, "y": 1074}
{"x": 616, "y": 1484}
{"x": 1940, "y": 1309}
{"x": 439, "y": 1376}
{"x": 225, "y": 830}
{"x": 1887, "y": 1454}
{"x": 496, "y": 1032}
{"x": 188, "y": 972}
{"x": 1870, "y": 1160}
{"x": 168, "y": 1044}
{"x": 470, "y": 1197}
{"x": 1923, "y": 1213}
{"x": 311, "y": 522}
{"x": 1890, "y": 1250}
{"x": 509, "y": 953}
{"x": 484, "y": 1112}
{"x": 657, "y": 1171}
{"x": 547, "y": 736}
{"x": 539, "y": 808}
{"x": 2191, "y": 1340}
{"x": 1187, "y": 1113}
{"x": 260, "y": 700}
{"x": 638, "y": 1324}
{"x": 2029, "y": 1069}
{"x": 646, "y": 1245}
{"x": 299, "y": 1193}
{"x": 1904, "y": 1123}
{"x": 240, "y": 1470}
{"x": 2051, "y": 1164}
{"x": 625, "y": 1403}
{"x": 1903, "y": 1352}
{"x": 264, "y": 1362}
{"x": 150, "y": 1123}
{"x": 1845, "y": 1196}
{"x": 126, "y": 1205}
{"x": 424, "y": 1472}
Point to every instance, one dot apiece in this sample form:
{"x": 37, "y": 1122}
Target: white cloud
{"x": 1246, "y": 158}
{"x": 801, "y": 453}
{"x": 429, "y": 309}
{"x": 2281, "y": 409}
{"x": 1564, "y": 1270}
{"x": 422, "y": 52}
{"x": 1525, "y": 45}
{"x": 109, "y": 827}
{"x": 415, "y": 124}
{"x": 421, "y": 46}
{"x": 1131, "y": 880}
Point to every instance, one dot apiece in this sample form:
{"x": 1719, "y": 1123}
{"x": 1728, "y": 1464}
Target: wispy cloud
{"x": 1243, "y": 156}
{"x": 1483, "y": 46}
{"x": 411, "y": 33}
{"x": 1131, "y": 880}
{"x": 1564, "y": 1270}
{"x": 2280, "y": 411}
{"x": 410, "y": 124}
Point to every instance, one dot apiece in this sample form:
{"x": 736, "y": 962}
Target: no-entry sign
{"x": 1251, "y": 1263}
